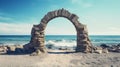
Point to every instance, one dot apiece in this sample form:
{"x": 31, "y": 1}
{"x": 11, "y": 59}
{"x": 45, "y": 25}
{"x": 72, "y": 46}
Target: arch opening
{"x": 60, "y": 34}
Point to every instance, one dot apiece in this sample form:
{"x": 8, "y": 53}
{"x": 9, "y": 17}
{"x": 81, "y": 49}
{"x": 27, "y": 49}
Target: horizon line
{"x": 58, "y": 34}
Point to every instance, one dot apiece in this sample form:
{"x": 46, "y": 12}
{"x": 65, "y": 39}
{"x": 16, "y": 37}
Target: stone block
{"x": 83, "y": 35}
{"x": 41, "y": 45}
{"x": 84, "y": 42}
{"x": 40, "y": 36}
{"x": 105, "y": 50}
{"x": 83, "y": 39}
{"x": 36, "y": 28}
{"x": 74, "y": 18}
{"x": 43, "y": 49}
{"x": 41, "y": 39}
{"x": 83, "y": 32}
{"x": 37, "y": 33}
{"x": 51, "y": 15}
{"x": 64, "y": 13}
{"x": 80, "y": 48}
{"x": 35, "y": 25}
{"x": 79, "y": 27}
{"x": 42, "y": 24}
{"x": 59, "y": 13}
{"x": 68, "y": 15}
{"x": 41, "y": 32}
{"x": 98, "y": 51}
{"x": 11, "y": 48}
{"x": 55, "y": 13}
{"x": 44, "y": 21}
{"x": 46, "y": 17}
{"x": 3, "y": 49}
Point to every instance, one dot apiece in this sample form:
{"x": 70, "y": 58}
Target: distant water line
{"x": 59, "y": 40}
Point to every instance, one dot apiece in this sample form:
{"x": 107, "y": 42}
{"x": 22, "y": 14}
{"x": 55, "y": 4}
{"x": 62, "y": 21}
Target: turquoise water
{"x": 59, "y": 40}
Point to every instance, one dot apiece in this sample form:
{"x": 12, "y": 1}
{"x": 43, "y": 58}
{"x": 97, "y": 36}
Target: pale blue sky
{"x": 102, "y": 17}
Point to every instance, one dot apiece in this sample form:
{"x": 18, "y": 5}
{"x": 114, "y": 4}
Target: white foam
{"x": 13, "y": 44}
{"x": 61, "y": 43}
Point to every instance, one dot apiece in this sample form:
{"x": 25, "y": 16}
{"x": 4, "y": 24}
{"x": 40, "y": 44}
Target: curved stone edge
{"x": 59, "y": 13}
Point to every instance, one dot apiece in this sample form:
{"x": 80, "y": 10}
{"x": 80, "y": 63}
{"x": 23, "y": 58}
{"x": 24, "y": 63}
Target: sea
{"x": 60, "y": 40}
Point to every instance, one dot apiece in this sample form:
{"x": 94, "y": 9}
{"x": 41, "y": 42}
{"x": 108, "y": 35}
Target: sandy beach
{"x": 60, "y": 58}
{"x": 61, "y": 33}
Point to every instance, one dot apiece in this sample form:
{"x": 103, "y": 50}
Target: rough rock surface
{"x": 37, "y": 33}
{"x": 111, "y": 48}
{"x": 100, "y": 50}
{"x": 3, "y": 48}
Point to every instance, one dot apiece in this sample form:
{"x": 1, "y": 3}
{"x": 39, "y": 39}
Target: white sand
{"x": 61, "y": 60}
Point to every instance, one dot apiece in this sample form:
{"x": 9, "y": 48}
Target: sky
{"x": 102, "y": 17}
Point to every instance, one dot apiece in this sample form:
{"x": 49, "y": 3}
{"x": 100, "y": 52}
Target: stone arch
{"x": 59, "y": 13}
{"x": 37, "y": 33}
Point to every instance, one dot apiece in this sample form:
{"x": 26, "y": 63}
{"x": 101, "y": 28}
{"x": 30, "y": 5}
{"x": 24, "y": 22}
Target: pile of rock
{"x": 3, "y": 49}
{"x": 12, "y": 49}
{"x": 100, "y": 50}
{"x": 104, "y": 48}
{"x": 16, "y": 49}
{"x": 114, "y": 48}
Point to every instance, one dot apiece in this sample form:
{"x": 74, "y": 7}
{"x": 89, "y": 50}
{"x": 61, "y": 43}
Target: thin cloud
{"x": 20, "y": 28}
{"x": 86, "y": 5}
{"x": 74, "y": 1}
{"x": 115, "y": 29}
{"x": 82, "y": 3}
{"x": 5, "y": 18}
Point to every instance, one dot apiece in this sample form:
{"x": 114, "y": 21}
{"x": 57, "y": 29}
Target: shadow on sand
{"x": 58, "y": 52}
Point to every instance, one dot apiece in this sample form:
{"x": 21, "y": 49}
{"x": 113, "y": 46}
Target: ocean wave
{"x": 61, "y": 43}
{"x": 59, "y": 40}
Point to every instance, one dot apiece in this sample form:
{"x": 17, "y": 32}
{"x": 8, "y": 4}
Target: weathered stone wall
{"x": 83, "y": 42}
{"x": 37, "y": 33}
